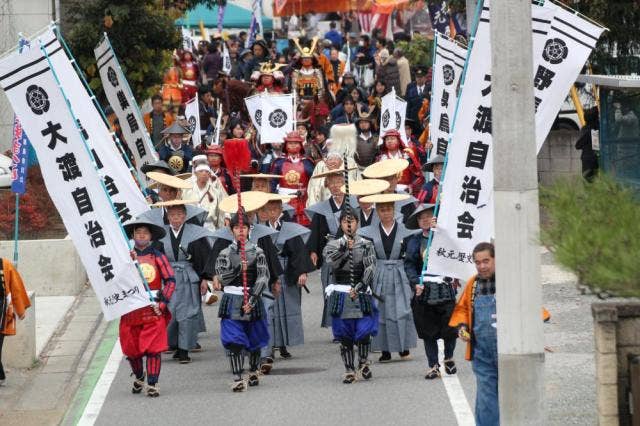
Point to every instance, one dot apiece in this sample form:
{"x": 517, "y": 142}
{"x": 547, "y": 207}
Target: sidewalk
{"x": 68, "y": 329}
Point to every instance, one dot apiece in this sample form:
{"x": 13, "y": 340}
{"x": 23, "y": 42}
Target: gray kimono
{"x": 187, "y": 254}
{"x": 397, "y": 331}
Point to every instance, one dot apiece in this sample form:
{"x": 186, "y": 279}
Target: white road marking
{"x": 457, "y": 398}
{"x": 92, "y": 410}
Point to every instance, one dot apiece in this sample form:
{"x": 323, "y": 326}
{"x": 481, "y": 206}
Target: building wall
{"x": 558, "y": 158}
{"x": 18, "y": 16}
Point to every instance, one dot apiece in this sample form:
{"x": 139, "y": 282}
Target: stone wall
{"x": 48, "y": 267}
{"x": 558, "y": 157}
{"x": 617, "y": 334}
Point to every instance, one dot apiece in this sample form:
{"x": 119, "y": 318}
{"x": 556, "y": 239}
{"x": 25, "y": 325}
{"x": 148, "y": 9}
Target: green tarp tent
{"x": 234, "y": 17}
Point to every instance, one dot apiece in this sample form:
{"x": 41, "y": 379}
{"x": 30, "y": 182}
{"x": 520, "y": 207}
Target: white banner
{"x": 124, "y": 192}
{"x": 277, "y": 117}
{"x": 72, "y": 181}
{"x": 447, "y": 70}
{"x": 394, "y": 111}
{"x": 192, "y": 114}
{"x": 187, "y": 40}
{"x": 226, "y": 59}
{"x": 466, "y": 210}
{"x": 254, "y": 106}
{"x": 124, "y": 105}
{"x": 567, "y": 47}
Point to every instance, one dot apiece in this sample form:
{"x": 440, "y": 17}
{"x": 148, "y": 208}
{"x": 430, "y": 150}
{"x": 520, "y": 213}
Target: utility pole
{"x": 518, "y": 293}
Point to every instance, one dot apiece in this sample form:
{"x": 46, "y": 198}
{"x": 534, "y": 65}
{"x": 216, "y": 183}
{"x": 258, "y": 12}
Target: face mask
{"x": 361, "y": 43}
{"x": 142, "y": 243}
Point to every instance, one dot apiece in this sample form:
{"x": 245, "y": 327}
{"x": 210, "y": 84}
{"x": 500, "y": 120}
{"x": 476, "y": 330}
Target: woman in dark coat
{"x": 435, "y": 296}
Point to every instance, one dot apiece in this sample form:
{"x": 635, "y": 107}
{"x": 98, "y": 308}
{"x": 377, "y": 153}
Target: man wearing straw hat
{"x": 391, "y": 170}
{"x": 169, "y": 189}
{"x": 244, "y": 322}
{"x": 187, "y": 247}
{"x": 264, "y": 182}
{"x": 325, "y": 221}
{"x": 397, "y": 332}
{"x": 285, "y": 317}
{"x": 354, "y": 314}
{"x": 362, "y": 188}
{"x": 143, "y": 332}
{"x": 260, "y": 235}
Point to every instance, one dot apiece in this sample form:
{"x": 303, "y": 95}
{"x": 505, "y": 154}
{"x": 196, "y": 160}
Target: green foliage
{"x": 142, "y": 33}
{"x": 622, "y": 18}
{"x": 593, "y": 230}
{"x": 419, "y": 51}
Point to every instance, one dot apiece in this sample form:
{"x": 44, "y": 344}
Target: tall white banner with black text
{"x": 72, "y": 180}
{"x": 123, "y": 190}
{"x": 466, "y": 212}
{"x": 447, "y": 69}
{"x": 124, "y": 105}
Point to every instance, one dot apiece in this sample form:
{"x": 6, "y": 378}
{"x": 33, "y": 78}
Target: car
{"x": 5, "y": 171}
{"x": 567, "y": 118}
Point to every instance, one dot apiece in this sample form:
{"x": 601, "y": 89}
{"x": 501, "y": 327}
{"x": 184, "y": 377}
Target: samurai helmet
{"x": 306, "y": 52}
{"x": 268, "y": 68}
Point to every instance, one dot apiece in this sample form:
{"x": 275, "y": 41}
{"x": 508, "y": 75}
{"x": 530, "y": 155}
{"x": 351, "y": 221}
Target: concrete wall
{"x": 49, "y": 267}
{"x": 617, "y": 334}
{"x": 558, "y": 157}
{"x": 18, "y": 16}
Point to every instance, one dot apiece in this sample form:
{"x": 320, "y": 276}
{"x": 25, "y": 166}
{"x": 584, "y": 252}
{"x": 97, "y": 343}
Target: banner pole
{"x": 95, "y": 165}
{"x": 15, "y": 231}
{"x": 472, "y": 36}
{"x": 93, "y": 97}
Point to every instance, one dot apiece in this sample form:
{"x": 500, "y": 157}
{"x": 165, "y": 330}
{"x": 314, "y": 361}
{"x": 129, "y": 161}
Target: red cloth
{"x": 148, "y": 336}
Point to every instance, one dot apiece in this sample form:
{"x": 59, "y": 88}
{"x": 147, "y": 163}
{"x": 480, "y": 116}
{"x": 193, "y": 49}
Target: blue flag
{"x": 19, "y": 158}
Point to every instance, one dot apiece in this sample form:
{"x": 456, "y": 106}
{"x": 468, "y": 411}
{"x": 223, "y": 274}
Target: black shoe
{"x": 184, "y": 357}
{"x": 198, "y": 348}
{"x": 450, "y": 366}
{"x": 266, "y": 364}
{"x": 138, "y": 384}
{"x": 386, "y": 357}
{"x": 176, "y": 354}
{"x": 349, "y": 378}
{"x": 433, "y": 373}
{"x": 404, "y": 355}
{"x": 284, "y": 353}
{"x": 153, "y": 391}
{"x": 253, "y": 379}
{"x": 365, "y": 371}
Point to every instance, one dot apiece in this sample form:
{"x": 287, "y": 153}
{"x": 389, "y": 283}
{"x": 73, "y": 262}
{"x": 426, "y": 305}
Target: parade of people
{"x": 334, "y": 168}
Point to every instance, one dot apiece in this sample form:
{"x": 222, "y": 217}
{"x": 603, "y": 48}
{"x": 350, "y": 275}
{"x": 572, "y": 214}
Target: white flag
{"x": 393, "y": 113}
{"x": 72, "y": 181}
{"x": 277, "y": 117}
{"x": 254, "y": 106}
{"x": 567, "y": 47}
{"x": 226, "y": 59}
{"x": 187, "y": 41}
{"x": 125, "y": 107}
{"x": 466, "y": 214}
{"x": 192, "y": 114}
{"x": 124, "y": 191}
{"x": 447, "y": 69}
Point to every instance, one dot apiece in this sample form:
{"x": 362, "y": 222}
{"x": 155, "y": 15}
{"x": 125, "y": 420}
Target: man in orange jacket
{"x": 475, "y": 318}
{"x": 13, "y": 304}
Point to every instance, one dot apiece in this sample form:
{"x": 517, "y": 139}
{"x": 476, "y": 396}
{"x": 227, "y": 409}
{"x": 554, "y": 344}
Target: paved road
{"x": 306, "y": 389}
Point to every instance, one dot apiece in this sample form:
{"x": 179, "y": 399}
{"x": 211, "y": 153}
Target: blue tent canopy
{"x": 234, "y": 17}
